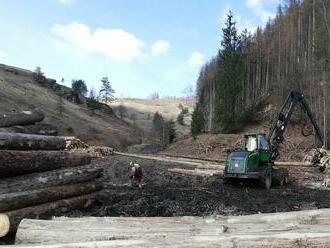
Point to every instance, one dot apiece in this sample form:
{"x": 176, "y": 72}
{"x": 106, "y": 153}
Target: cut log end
{"x": 4, "y": 225}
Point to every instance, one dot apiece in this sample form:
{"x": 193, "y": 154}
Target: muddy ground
{"x": 167, "y": 194}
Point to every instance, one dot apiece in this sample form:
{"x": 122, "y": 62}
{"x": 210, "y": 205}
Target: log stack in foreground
{"x": 277, "y": 230}
{"x": 39, "y": 177}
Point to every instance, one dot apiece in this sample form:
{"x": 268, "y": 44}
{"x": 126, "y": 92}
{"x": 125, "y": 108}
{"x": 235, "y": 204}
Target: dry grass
{"x": 144, "y": 109}
{"x": 18, "y": 91}
{"x": 167, "y": 107}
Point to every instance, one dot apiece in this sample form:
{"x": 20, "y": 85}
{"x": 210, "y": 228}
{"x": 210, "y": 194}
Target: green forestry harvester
{"x": 256, "y": 156}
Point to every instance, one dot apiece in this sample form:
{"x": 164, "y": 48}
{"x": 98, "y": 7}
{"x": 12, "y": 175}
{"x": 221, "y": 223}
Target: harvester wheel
{"x": 267, "y": 180}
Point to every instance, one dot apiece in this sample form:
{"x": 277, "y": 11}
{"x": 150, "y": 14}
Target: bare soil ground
{"x": 169, "y": 194}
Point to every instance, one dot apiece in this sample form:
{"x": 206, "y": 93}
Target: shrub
{"x": 180, "y": 119}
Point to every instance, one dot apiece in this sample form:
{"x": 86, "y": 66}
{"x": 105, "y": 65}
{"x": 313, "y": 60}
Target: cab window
{"x": 251, "y": 144}
{"x": 263, "y": 143}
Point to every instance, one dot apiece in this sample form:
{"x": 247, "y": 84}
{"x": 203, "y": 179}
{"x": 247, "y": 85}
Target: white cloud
{"x": 65, "y": 2}
{"x": 196, "y": 59}
{"x": 258, "y": 7}
{"x": 160, "y": 47}
{"x": 114, "y": 43}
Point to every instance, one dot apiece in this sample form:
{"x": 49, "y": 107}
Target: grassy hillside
{"x": 19, "y": 91}
{"x": 141, "y": 111}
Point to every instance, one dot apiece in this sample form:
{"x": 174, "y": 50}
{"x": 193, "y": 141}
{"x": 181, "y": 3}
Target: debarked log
{"x": 18, "y": 200}
{"x": 282, "y": 228}
{"x": 52, "y": 178}
{"x": 13, "y": 163}
{"x": 21, "y": 141}
{"x": 21, "y": 118}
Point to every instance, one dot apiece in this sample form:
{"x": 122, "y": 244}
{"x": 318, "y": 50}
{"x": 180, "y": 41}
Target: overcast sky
{"x": 142, "y": 46}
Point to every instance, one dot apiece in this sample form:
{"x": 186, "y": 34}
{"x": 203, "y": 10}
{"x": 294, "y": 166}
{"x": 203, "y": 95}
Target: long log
{"x": 49, "y": 179}
{"x": 13, "y": 163}
{"x": 196, "y": 172}
{"x": 47, "y": 210}
{"x": 38, "y": 128}
{"x": 21, "y": 118}
{"x": 184, "y": 229}
{"x": 20, "y": 141}
{"x": 95, "y": 244}
{"x": 13, "y": 201}
{"x": 185, "y": 162}
{"x": 287, "y": 163}
{"x": 318, "y": 240}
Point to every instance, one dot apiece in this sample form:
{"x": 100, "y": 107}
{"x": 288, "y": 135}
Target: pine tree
{"x": 197, "y": 122}
{"x": 107, "y": 92}
{"x": 228, "y": 109}
{"x": 92, "y": 102}
{"x": 39, "y": 75}
{"x": 171, "y": 131}
{"x": 158, "y": 122}
{"x": 79, "y": 87}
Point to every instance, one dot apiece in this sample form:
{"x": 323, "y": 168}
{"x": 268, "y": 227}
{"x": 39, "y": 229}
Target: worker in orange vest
{"x": 136, "y": 174}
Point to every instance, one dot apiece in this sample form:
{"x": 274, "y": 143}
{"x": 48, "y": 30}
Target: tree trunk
{"x": 20, "y": 141}
{"x": 300, "y": 164}
{"x": 49, "y": 209}
{"x": 22, "y": 118}
{"x": 197, "y": 172}
{"x": 46, "y": 179}
{"x": 271, "y": 230}
{"x": 22, "y": 199}
{"x": 15, "y": 163}
{"x": 315, "y": 240}
{"x": 38, "y": 128}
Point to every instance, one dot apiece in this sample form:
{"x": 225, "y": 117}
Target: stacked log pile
{"x": 26, "y": 122}
{"x": 277, "y": 230}
{"x": 39, "y": 176}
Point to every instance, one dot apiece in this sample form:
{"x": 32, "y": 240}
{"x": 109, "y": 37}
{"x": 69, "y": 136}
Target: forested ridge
{"x": 292, "y": 52}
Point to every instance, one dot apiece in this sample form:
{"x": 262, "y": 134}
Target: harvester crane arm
{"x": 275, "y": 136}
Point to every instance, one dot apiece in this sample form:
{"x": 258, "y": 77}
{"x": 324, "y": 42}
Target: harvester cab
{"x": 253, "y": 160}
{"x": 256, "y": 156}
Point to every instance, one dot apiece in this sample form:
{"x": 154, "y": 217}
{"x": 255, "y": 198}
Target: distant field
{"x": 167, "y": 107}
{"x": 141, "y": 111}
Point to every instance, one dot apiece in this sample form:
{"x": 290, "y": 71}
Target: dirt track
{"x": 169, "y": 194}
